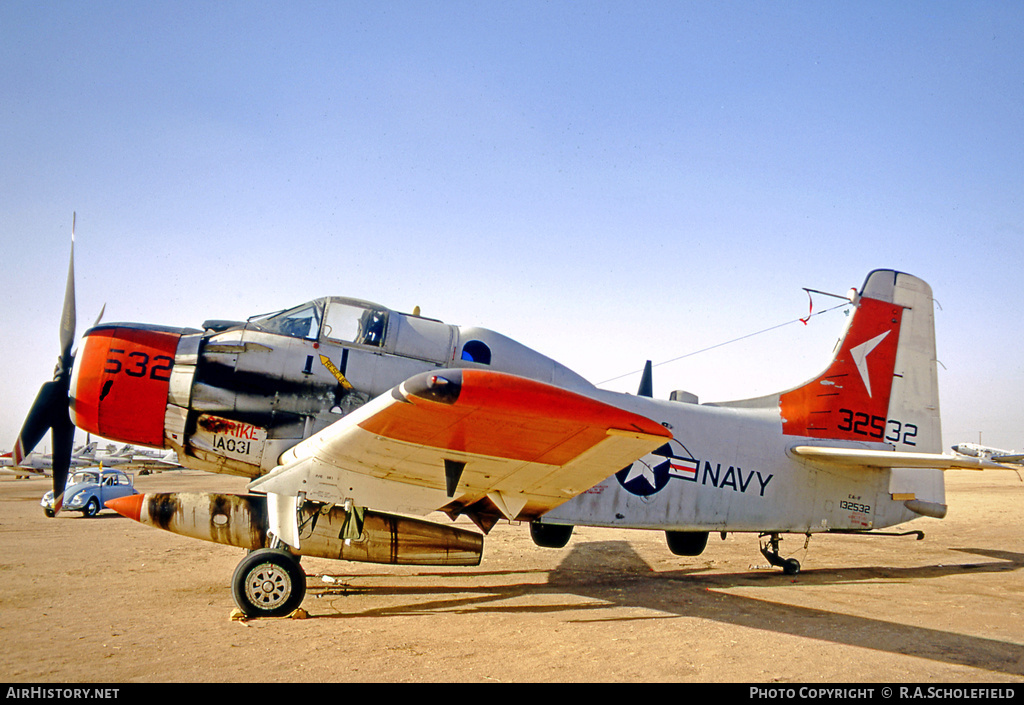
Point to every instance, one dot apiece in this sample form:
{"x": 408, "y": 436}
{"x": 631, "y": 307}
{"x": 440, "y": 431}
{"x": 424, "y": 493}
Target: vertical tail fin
{"x": 882, "y": 384}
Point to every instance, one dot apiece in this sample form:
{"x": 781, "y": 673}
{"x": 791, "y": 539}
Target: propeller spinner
{"x": 50, "y": 408}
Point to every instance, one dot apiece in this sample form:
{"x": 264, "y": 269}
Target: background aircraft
{"x": 130, "y": 457}
{"x": 126, "y": 456}
{"x": 348, "y": 417}
{"x": 976, "y": 450}
{"x": 40, "y": 463}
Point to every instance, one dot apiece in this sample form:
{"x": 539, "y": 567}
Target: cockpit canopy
{"x": 342, "y": 320}
{"x": 353, "y": 322}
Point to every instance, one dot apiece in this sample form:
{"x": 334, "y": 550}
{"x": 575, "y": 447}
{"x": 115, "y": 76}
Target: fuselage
{"x": 728, "y": 469}
{"x": 235, "y": 396}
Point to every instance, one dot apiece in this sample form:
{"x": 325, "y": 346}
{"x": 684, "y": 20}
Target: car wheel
{"x": 268, "y": 583}
{"x": 48, "y": 512}
{"x": 92, "y": 508}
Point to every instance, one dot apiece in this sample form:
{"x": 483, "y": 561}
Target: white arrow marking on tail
{"x": 860, "y": 357}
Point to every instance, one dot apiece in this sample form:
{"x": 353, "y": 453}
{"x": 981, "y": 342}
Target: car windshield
{"x": 80, "y": 477}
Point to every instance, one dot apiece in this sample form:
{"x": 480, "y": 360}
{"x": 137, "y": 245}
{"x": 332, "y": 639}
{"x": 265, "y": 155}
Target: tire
{"x": 48, "y": 512}
{"x": 268, "y": 583}
{"x": 791, "y": 566}
{"x": 92, "y": 508}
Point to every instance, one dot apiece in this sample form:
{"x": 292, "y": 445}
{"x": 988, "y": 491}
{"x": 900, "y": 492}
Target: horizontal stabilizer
{"x": 890, "y": 459}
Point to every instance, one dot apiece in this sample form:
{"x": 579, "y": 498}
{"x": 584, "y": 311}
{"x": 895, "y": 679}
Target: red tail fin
{"x": 882, "y": 384}
{"x": 851, "y": 398}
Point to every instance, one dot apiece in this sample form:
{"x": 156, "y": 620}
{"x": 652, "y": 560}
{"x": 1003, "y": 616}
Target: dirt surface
{"x": 109, "y": 600}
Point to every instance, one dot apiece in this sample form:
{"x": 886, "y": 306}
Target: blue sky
{"x": 606, "y": 182}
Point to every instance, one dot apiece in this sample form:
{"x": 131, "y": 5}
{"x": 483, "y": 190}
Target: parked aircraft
{"x": 998, "y": 455}
{"x": 128, "y": 456}
{"x": 352, "y": 420}
{"x": 31, "y": 465}
{"x": 41, "y": 463}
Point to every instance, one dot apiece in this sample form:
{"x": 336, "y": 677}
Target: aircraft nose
{"x": 122, "y": 380}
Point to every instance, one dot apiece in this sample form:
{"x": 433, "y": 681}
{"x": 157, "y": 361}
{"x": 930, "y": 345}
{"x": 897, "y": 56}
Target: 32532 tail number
{"x": 877, "y": 427}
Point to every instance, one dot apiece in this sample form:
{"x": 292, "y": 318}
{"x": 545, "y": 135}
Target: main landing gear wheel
{"x": 268, "y": 583}
{"x": 770, "y": 550}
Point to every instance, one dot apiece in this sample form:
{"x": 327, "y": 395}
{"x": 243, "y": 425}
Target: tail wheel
{"x": 770, "y": 550}
{"x": 268, "y": 583}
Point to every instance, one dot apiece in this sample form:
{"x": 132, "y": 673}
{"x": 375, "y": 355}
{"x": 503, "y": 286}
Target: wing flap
{"x": 526, "y": 445}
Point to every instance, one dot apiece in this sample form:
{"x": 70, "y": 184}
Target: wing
{"x": 1014, "y": 458}
{"x": 476, "y": 442}
{"x": 855, "y": 457}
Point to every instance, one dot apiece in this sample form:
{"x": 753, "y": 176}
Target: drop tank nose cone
{"x": 130, "y": 506}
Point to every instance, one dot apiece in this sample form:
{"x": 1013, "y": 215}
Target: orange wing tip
{"x": 130, "y": 506}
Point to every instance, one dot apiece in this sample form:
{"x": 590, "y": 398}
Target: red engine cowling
{"x": 120, "y": 382}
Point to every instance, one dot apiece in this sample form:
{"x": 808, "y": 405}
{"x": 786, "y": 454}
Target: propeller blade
{"x": 100, "y": 317}
{"x": 67, "y": 319}
{"x": 39, "y": 420}
{"x": 50, "y": 408}
{"x": 63, "y": 438}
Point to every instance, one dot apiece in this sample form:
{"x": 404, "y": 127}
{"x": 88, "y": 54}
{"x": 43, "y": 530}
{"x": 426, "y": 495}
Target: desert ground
{"x": 108, "y": 600}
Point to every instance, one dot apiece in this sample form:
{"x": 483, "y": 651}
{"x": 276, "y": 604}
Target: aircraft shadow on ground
{"x": 609, "y": 574}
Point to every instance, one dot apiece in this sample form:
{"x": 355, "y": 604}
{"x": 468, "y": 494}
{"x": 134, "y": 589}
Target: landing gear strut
{"x": 770, "y": 550}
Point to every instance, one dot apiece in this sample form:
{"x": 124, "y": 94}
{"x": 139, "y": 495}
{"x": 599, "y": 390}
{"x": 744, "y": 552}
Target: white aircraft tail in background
{"x": 997, "y": 455}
